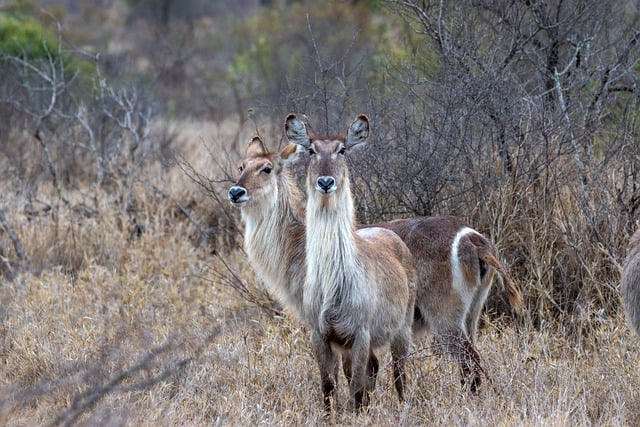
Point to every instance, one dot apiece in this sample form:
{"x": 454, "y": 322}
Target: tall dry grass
{"x": 109, "y": 322}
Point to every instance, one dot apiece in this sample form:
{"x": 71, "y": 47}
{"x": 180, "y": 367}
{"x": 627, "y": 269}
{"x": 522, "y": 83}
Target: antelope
{"x": 272, "y": 212}
{"x": 272, "y": 209}
{"x": 360, "y": 284}
{"x": 630, "y": 282}
{"x": 456, "y": 266}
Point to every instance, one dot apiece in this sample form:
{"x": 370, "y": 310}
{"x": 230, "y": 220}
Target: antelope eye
{"x": 342, "y": 150}
{"x": 266, "y": 169}
{"x": 240, "y": 168}
{"x": 311, "y": 151}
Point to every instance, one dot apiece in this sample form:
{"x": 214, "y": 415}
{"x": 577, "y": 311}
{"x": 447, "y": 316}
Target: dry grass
{"x": 153, "y": 345}
{"x": 100, "y": 327}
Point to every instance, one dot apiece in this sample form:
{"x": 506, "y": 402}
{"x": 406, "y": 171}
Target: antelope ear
{"x": 256, "y": 147}
{"x": 358, "y": 131}
{"x": 296, "y": 131}
{"x": 288, "y": 153}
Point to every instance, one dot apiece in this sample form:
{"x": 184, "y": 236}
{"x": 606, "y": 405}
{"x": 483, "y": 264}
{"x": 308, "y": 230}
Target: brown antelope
{"x": 456, "y": 265}
{"x": 360, "y": 285}
{"x": 630, "y": 282}
{"x": 271, "y": 208}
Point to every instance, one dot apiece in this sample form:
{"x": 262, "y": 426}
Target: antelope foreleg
{"x": 359, "y": 387}
{"x": 327, "y": 361}
{"x": 373, "y": 366}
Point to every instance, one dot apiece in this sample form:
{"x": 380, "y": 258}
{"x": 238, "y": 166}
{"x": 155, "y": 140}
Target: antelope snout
{"x": 326, "y": 184}
{"x": 237, "y": 194}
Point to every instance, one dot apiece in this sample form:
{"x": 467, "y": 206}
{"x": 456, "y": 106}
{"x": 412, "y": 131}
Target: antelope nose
{"x": 325, "y": 184}
{"x": 237, "y": 194}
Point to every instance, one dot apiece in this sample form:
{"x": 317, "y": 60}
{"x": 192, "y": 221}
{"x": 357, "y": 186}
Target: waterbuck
{"x": 630, "y": 282}
{"x": 272, "y": 212}
{"x": 360, "y": 284}
{"x": 456, "y": 266}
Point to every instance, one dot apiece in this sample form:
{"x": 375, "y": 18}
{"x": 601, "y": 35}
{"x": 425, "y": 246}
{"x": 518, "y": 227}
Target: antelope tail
{"x": 486, "y": 252}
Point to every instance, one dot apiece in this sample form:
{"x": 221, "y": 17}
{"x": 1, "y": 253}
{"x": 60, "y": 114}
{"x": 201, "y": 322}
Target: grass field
{"x": 107, "y": 322}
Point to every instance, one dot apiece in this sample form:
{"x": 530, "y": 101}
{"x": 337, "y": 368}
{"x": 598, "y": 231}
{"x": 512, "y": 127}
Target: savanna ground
{"x": 143, "y": 325}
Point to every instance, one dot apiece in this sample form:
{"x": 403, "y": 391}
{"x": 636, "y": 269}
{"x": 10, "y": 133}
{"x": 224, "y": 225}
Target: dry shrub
{"x": 559, "y": 251}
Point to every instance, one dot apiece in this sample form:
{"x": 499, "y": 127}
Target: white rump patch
{"x": 456, "y": 270}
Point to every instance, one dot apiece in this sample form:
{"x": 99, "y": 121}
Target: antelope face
{"x": 327, "y": 167}
{"x": 327, "y": 171}
{"x": 257, "y": 176}
{"x": 255, "y": 181}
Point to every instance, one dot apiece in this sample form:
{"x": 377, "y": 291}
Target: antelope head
{"x": 258, "y": 174}
{"x": 327, "y": 171}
